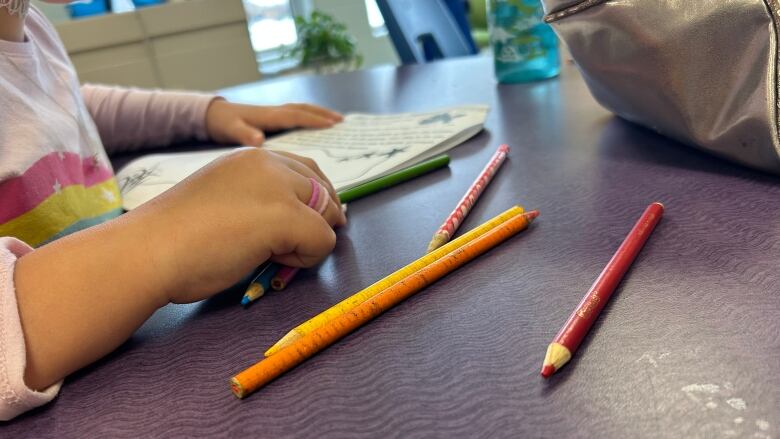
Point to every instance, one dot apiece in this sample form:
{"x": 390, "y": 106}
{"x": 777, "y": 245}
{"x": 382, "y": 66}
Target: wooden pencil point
{"x": 438, "y": 240}
{"x": 283, "y": 342}
{"x": 260, "y": 284}
{"x": 557, "y": 355}
{"x": 254, "y": 292}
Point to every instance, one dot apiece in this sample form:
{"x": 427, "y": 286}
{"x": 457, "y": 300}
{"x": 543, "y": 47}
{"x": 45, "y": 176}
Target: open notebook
{"x": 362, "y": 148}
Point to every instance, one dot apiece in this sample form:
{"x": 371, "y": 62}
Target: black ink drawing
{"x": 444, "y": 118}
{"x": 366, "y": 155}
{"x": 126, "y": 184}
{"x": 354, "y": 158}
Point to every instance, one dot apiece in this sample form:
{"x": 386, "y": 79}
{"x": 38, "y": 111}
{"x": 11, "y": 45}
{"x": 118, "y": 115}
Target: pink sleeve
{"x": 130, "y": 119}
{"x": 15, "y": 397}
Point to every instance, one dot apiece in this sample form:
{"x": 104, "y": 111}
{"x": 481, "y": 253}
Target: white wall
{"x": 55, "y": 13}
{"x": 375, "y": 50}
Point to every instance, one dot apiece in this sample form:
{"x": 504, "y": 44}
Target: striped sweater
{"x": 55, "y": 176}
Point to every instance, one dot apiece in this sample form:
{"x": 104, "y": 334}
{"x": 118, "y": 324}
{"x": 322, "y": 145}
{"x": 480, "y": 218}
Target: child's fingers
{"x": 245, "y": 134}
{"x": 303, "y": 188}
{"x": 309, "y": 168}
{"x": 316, "y": 109}
{"x": 307, "y": 119}
{"x": 324, "y": 205}
{"x": 334, "y": 214}
{"x": 314, "y": 167}
{"x": 288, "y": 118}
{"x": 311, "y": 240}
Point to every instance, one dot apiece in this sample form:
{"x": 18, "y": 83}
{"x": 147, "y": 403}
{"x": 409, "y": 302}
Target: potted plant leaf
{"x": 324, "y": 45}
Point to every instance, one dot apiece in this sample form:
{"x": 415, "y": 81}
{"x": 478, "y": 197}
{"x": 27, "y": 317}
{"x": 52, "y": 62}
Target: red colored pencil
{"x": 447, "y": 230}
{"x": 283, "y": 277}
{"x": 568, "y": 339}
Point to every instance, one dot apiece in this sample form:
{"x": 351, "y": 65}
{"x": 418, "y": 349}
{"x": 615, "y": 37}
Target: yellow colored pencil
{"x": 268, "y": 369}
{"x": 361, "y": 296}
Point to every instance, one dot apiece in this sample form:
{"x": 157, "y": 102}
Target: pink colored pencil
{"x": 447, "y": 230}
{"x": 283, "y": 277}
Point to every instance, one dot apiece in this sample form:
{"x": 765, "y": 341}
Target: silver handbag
{"x": 704, "y": 72}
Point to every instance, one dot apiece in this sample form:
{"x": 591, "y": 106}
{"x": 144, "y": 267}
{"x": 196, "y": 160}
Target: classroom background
{"x": 165, "y": 44}
{"x": 687, "y": 347}
{"x": 154, "y": 43}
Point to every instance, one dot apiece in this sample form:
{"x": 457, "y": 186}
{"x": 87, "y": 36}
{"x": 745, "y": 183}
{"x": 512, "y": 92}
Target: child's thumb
{"x": 246, "y": 134}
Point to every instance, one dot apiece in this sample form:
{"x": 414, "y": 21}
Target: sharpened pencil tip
{"x": 548, "y": 370}
{"x": 254, "y": 292}
{"x": 532, "y": 215}
{"x": 245, "y": 301}
{"x": 438, "y": 240}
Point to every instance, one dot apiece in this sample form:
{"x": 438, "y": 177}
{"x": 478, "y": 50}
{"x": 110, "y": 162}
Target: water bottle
{"x": 525, "y": 48}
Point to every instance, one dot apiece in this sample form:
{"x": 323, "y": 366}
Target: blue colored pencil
{"x": 260, "y": 284}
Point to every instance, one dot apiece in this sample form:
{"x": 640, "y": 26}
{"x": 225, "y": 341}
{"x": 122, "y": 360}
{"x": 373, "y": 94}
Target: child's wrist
{"x": 150, "y": 252}
{"x": 80, "y": 296}
{"x": 210, "y": 126}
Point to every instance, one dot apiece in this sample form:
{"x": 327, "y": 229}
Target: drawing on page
{"x": 444, "y": 118}
{"x": 367, "y": 155}
{"x": 352, "y": 166}
{"x": 128, "y": 183}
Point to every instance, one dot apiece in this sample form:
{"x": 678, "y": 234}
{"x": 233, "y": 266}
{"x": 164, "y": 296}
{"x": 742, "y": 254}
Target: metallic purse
{"x": 704, "y": 72}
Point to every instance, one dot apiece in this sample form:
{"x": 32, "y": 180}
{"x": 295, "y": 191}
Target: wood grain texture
{"x": 689, "y": 345}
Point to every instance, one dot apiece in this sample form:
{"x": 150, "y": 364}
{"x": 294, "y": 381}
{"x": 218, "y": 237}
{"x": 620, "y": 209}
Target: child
{"x": 71, "y": 301}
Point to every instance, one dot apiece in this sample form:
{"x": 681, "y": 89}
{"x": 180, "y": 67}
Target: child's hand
{"x": 244, "y": 124}
{"x": 236, "y": 213}
{"x": 80, "y": 296}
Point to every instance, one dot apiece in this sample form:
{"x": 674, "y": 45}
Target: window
{"x": 375, "y": 19}
{"x": 272, "y": 31}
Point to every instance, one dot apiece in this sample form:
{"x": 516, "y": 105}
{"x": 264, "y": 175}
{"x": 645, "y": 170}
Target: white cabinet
{"x": 196, "y": 45}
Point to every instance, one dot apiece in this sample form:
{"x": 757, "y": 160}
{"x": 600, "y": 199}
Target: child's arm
{"x": 81, "y": 296}
{"x": 130, "y": 119}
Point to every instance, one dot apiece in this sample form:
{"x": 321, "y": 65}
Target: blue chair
{"x": 426, "y": 30}
{"x": 460, "y": 12}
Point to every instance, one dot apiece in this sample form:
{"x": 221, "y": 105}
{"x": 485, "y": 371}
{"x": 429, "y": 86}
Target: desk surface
{"x": 689, "y": 346}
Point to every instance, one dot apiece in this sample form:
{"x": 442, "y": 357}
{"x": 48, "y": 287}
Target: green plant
{"x": 324, "y": 44}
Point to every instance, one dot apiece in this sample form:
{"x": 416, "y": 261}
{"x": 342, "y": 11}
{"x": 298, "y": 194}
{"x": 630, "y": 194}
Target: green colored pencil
{"x": 393, "y": 179}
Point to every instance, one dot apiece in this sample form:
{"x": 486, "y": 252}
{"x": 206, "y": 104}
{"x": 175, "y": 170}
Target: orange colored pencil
{"x": 294, "y": 354}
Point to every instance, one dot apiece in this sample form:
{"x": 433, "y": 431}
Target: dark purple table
{"x": 689, "y": 346}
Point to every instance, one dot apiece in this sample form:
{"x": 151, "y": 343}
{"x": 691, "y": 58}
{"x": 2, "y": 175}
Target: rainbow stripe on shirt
{"x": 59, "y": 194}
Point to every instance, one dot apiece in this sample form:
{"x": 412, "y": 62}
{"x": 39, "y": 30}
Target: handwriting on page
{"x": 362, "y": 148}
{"x": 365, "y": 144}
{"x": 369, "y": 134}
